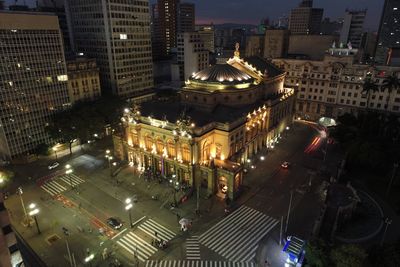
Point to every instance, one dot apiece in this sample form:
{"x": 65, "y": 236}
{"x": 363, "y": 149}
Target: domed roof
{"x": 221, "y": 73}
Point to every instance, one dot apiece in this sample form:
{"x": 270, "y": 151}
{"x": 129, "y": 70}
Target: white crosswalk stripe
{"x": 236, "y": 237}
{"x": 193, "y": 248}
{"x": 55, "y": 186}
{"x": 137, "y": 246}
{"x": 156, "y": 230}
{"x": 190, "y": 263}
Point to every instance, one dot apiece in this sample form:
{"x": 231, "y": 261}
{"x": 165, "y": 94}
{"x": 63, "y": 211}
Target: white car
{"x": 53, "y": 165}
{"x": 285, "y": 165}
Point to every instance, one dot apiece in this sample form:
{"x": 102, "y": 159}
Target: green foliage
{"x": 316, "y": 253}
{"x": 370, "y": 140}
{"x": 42, "y": 149}
{"x": 5, "y": 177}
{"x": 85, "y": 119}
{"x": 348, "y": 255}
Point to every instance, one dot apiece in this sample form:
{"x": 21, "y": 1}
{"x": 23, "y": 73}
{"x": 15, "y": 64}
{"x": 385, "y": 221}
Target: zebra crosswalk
{"x": 156, "y": 230}
{"x": 236, "y": 237}
{"x": 136, "y": 243}
{"x": 137, "y": 246}
{"x": 189, "y": 263}
{"x": 193, "y": 248}
{"x": 61, "y": 184}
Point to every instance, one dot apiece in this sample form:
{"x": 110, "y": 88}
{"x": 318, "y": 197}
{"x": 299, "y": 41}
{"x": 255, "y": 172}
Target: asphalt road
{"x": 87, "y": 207}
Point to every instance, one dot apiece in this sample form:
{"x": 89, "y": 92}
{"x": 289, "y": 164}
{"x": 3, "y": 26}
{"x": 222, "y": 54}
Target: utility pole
{"x": 288, "y": 213}
{"x": 395, "y": 166}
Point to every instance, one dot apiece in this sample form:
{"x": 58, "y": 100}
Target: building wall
{"x": 83, "y": 80}
{"x": 186, "y": 17}
{"x": 333, "y": 87}
{"x": 352, "y": 28}
{"x": 33, "y": 79}
{"x": 276, "y": 43}
{"x": 119, "y": 39}
{"x": 314, "y": 46}
{"x": 207, "y": 37}
{"x": 9, "y": 252}
{"x": 254, "y": 45}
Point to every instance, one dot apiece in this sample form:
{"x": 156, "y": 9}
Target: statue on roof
{"x": 341, "y": 45}
{"x": 236, "y": 53}
{"x": 349, "y": 46}
{"x": 334, "y": 45}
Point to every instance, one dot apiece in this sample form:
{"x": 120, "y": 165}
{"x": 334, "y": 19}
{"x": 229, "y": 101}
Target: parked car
{"x": 53, "y": 165}
{"x": 285, "y": 165}
{"x": 114, "y": 223}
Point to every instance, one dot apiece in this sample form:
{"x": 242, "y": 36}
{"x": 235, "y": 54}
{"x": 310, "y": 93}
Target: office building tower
{"x": 170, "y": 17}
{"x": 33, "y": 80}
{"x": 305, "y": 19}
{"x": 207, "y": 36}
{"x": 388, "y": 34}
{"x": 192, "y": 56}
{"x": 186, "y": 17}
{"x": 276, "y": 43}
{"x": 117, "y": 34}
{"x": 352, "y": 29}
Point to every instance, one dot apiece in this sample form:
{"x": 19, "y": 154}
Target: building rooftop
{"x": 263, "y": 66}
{"x": 223, "y": 74}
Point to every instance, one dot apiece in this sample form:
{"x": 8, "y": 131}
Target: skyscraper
{"x": 305, "y": 19}
{"x": 388, "y": 34}
{"x": 170, "y": 17}
{"x": 117, "y": 34}
{"x": 352, "y": 29}
{"x": 33, "y": 79}
{"x": 186, "y": 17}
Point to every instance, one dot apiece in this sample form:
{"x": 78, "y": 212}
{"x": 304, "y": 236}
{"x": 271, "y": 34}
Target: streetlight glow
{"x": 33, "y": 212}
{"x": 129, "y": 206}
{"x": 128, "y": 200}
{"x": 89, "y": 258}
{"x": 32, "y": 205}
{"x": 108, "y": 151}
{"x": 67, "y": 166}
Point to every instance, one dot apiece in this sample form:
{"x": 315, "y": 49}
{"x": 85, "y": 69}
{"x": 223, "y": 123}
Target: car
{"x": 53, "y": 165}
{"x": 4, "y": 162}
{"x": 114, "y": 223}
{"x": 285, "y": 165}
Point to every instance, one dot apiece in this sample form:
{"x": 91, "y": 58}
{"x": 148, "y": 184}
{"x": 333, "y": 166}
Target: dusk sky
{"x": 252, "y": 11}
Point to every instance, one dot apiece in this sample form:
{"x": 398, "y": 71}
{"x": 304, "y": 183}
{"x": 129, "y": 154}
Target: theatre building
{"x": 224, "y": 115}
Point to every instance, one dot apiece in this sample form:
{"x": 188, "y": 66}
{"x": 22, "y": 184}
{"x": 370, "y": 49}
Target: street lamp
{"x": 89, "y": 258}
{"x": 33, "y": 211}
{"x": 128, "y": 208}
{"x": 68, "y": 172}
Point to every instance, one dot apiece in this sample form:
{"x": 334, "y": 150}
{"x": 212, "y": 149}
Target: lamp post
{"x": 89, "y": 259}
{"x": 128, "y": 208}
{"x": 109, "y": 157}
{"x": 32, "y": 212}
{"x": 20, "y": 192}
{"x": 68, "y": 172}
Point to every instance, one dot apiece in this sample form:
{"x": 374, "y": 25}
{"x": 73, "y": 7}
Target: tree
{"x": 62, "y": 128}
{"x": 316, "y": 253}
{"x": 391, "y": 83}
{"x": 348, "y": 255}
{"x": 42, "y": 149}
{"x": 369, "y": 87}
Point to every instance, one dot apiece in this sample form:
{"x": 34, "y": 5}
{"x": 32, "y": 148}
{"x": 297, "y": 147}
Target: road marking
{"x": 196, "y": 263}
{"x": 120, "y": 233}
{"x": 151, "y": 227}
{"x": 137, "y": 246}
{"x": 236, "y": 237}
{"x": 193, "y": 248}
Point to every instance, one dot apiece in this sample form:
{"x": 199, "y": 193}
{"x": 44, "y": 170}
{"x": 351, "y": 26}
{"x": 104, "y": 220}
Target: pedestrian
{"x": 178, "y": 217}
{"x": 155, "y": 234}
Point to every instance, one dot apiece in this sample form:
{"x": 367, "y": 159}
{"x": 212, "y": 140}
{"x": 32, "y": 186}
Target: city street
{"x": 83, "y": 200}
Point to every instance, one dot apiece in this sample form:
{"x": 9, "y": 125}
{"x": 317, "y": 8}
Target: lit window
{"x": 123, "y": 36}
{"x": 395, "y": 8}
{"x": 62, "y": 78}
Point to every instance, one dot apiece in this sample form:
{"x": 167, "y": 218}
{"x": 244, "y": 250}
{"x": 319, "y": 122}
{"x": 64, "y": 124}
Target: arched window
{"x": 160, "y": 146}
{"x": 218, "y": 151}
{"x": 149, "y": 142}
{"x": 171, "y": 148}
{"x": 206, "y": 151}
{"x": 185, "y": 153}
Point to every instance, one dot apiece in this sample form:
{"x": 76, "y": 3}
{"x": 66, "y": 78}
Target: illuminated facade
{"x": 226, "y": 114}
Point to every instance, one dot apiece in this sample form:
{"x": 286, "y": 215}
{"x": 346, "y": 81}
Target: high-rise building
{"x": 117, "y": 34}
{"x": 186, "y": 17}
{"x": 192, "y": 56}
{"x": 170, "y": 17}
{"x": 254, "y": 45}
{"x": 276, "y": 43}
{"x": 57, "y": 7}
{"x": 305, "y": 19}
{"x": 352, "y": 29}
{"x": 207, "y": 36}
{"x": 33, "y": 79}
{"x": 388, "y": 34}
